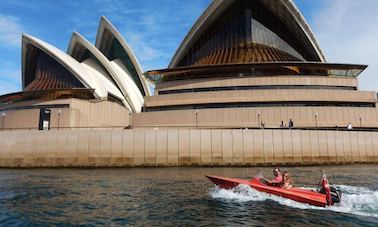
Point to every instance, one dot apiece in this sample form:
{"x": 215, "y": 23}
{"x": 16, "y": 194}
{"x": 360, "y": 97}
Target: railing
{"x": 194, "y": 127}
{"x": 62, "y": 128}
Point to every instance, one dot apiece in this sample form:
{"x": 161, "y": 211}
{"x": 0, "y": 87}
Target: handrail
{"x": 62, "y": 128}
{"x": 199, "y": 128}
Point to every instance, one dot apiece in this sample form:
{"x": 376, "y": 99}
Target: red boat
{"x": 297, "y": 194}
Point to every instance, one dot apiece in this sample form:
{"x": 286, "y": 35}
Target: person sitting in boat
{"x": 276, "y": 181}
{"x": 286, "y": 182}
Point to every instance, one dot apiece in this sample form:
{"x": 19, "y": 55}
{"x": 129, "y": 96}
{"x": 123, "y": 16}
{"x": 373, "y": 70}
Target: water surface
{"x": 178, "y": 196}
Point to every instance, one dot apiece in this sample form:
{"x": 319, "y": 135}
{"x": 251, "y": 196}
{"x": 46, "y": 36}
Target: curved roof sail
{"x": 248, "y": 31}
{"x": 68, "y": 67}
{"x": 111, "y": 43}
{"x": 94, "y": 69}
{"x": 84, "y": 52}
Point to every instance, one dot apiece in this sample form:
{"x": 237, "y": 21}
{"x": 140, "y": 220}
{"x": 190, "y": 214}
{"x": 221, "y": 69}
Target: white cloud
{"x": 10, "y": 81}
{"x": 10, "y": 32}
{"x": 14, "y": 75}
{"x": 348, "y": 33}
{"x": 6, "y": 88}
{"x": 141, "y": 47}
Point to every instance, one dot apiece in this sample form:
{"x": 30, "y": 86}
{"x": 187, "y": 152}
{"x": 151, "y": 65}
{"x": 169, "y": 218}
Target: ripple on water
{"x": 355, "y": 200}
{"x": 176, "y": 196}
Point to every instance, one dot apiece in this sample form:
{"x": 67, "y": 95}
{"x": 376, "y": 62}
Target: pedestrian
{"x": 291, "y": 123}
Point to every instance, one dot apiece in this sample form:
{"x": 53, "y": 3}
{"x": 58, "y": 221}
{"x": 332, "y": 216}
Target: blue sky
{"x": 346, "y": 29}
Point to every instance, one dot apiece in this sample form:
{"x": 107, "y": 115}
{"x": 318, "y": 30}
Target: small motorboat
{"x": 326, "y": 196}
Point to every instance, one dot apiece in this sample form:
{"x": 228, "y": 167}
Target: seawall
{"x": 184, "y": 147}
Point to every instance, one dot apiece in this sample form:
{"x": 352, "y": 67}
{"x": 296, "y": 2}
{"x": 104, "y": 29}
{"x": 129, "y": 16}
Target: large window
{"x": 259, "y": 105}
{"x": 260, "y": 87}
{"x": 264, "y": 36}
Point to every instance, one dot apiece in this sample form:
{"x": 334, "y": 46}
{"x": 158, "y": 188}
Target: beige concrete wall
{"x": 256, "y": 81}
{"x": 20, "y": 119}
{"x": 34, "y": 103}
{"x": 278, "y": 95}
{"x": 184, "y": 147}
{"x": 81, "y": 113}
{"x": 272, "y": 116}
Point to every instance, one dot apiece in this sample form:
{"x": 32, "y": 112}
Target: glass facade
{"x": 261, "y": 105}
{"x": 259, "y": 87}
{"x": 257, "y": 70}
{"x": 264, "y": 36}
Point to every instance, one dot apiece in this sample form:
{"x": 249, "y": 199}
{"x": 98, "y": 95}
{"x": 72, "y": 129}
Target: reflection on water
{"x": 178, "y": 196}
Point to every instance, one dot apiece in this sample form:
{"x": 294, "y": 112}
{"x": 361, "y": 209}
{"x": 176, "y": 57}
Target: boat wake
{"x": 355, "y": 200}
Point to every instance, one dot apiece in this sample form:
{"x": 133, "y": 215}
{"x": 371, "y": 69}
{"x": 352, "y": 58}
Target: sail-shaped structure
{"x": 46, "y": 67}
{"x": 249, "y": 85}
{"x": 90, "y": 85}
{"x": 109, "y": 68}
{"x": 247, "y": 63}
{"x": 241, "y": 60}
{"x": 111, "y": 43}
{"x": 234, "y": 31}
{"x": 90, "y": 57}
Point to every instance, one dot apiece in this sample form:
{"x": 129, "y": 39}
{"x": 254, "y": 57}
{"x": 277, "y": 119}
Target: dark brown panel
{"x": 246, "y": 32}
{"x": 46, "y": 73}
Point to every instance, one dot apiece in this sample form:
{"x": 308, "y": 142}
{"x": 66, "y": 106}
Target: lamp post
{"x": 2, "y": 121}
{"x": 360, "y": 119}
{"x": 316, "y": 119}
{"x": 130, "y": 119}
{"x": 258, "y": 119}
{"x": 59, "y": 113}
{"x": 197, "y": 118}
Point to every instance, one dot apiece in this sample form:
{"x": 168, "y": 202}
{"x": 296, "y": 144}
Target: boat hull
{"x": 297, "y": 194}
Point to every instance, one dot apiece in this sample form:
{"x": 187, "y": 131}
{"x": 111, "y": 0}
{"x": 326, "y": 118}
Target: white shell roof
{"x": 73, "y": 66}
{"x": 105, "y": 24}
{"x": 117, "y": 75}
{"x": 218, "y": 6}
{"x": 92, "y": 68}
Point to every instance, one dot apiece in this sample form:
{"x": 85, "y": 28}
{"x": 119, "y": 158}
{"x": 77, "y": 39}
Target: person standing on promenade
{"x": 291, "y": 123}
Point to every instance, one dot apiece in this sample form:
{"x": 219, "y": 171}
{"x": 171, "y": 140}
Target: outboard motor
{"x": 333, "y": 195}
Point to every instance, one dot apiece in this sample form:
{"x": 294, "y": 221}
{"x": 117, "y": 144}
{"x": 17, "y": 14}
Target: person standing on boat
{"x": 277, "y": 178}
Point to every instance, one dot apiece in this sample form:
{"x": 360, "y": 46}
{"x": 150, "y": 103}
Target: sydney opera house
{"x": 248, "y": 85}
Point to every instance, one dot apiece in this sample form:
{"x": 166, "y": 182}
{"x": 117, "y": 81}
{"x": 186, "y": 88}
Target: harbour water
{"x": 179, "y": 197}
